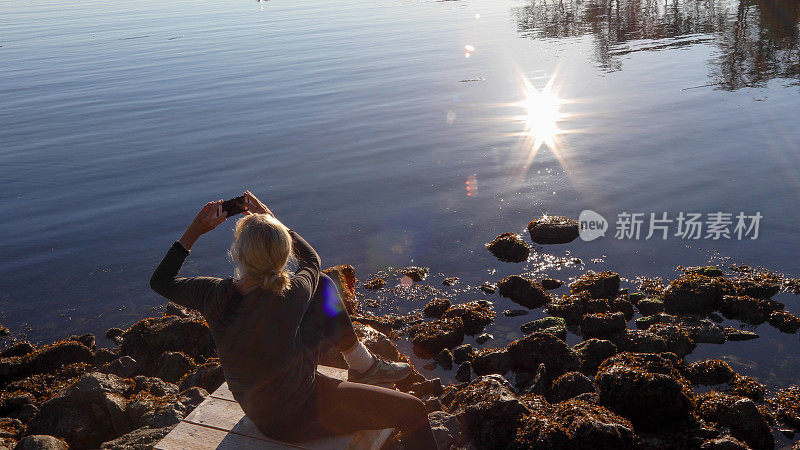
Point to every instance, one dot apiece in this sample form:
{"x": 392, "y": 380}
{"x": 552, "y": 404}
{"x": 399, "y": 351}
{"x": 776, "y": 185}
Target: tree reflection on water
{"x": 757, "y": 39}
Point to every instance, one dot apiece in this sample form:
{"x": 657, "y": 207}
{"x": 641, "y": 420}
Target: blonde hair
{"x": 261, "y": 248}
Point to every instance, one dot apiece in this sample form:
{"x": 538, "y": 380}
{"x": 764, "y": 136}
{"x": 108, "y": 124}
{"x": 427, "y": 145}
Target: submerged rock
{"x": 515, "y": 312}
{"x": 488, "y": 288}
{"x": 509, "y": 247}
{"x": 553, "y": 230}
{"x": 740, "y": 415}
{"x": 523, "y": 291}
{"x": 450, "y": 281}
{"x": 598, "y": 285}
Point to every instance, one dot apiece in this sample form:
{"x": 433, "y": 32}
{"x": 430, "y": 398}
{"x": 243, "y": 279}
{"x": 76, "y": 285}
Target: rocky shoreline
{"x": 626, "y": 385}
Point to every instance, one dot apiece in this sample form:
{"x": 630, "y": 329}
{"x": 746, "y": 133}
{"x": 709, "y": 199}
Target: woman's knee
{"x": 414, "y": 410}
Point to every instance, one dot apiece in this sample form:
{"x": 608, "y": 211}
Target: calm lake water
{"x": 363, "y": 123}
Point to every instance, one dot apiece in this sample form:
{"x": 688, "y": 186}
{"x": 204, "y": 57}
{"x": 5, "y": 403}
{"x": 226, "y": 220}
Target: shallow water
{"x": 361, "y": 125}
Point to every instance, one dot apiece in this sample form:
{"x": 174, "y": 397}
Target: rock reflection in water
{"x": 758, "y": 40}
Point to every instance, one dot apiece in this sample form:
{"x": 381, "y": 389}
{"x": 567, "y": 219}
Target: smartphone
{"x": 233, "y": 206}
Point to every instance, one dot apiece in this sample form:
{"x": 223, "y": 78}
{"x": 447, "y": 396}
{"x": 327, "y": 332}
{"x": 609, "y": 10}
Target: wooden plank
{"x": 189, "y": 436}
{"x": 219, "y": 422}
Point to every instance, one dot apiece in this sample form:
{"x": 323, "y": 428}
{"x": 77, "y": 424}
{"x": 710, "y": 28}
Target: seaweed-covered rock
{"x": 786, "y": 405}
{"x": 464, "y": 372}
{"x": 489, "y": 361}
{"x": 375, "y": 284}
{"x": 208, "y": 376}
{"x": 172, "y": 366}
{"x": 553, "y": 325}
{"x": 621, "y": 305}
{"x": 638, "y": 341}
{"x": 703, "y": 331}
{"x": 592, "y": 352}
{"x": 677, "y": 339}
{"x": 709, "y": 271}
{"x": 745, "y": 386}
{"x": 571, "y": 308}
{"x": 646, "y": 388}
{"x": 527, "y": 353}
{"x": 740, "y": 415}
{"x": 488, "y": 288}
{"x": 515, "y": 312}
{"x": 591, "y": 426}
{"x": 695, "y": 294}
{"x": 523, "y": 291}
{"x": 540, "y": 431}
{"x": 509, "y": 247}
{"x": 445, "y": 359}
{"x": 744, "y": 308}
{"x": 149, "y": 338}
{"x": 550, "y": 284}
{"x": 650, "y": 306}
{"x": 710, "y": 372}
{"x": 436, "y": 307}
{"x": 553, "y": 230}
{"x": 599, "y": 285}
{"x": 724, "y": 443}
{"x": 484, "y": 338}
{"x": 464, "y": 353}
{"x": 474, "y": 315}
{"x": 733, "y": 334}
{"x": 18, "y": 348}
{"x": 784, "y": 321}
{"x": 570, "y": 385}
{"x": 488, "y": 411}
{"x": 761, "y": 285}
{"x": 602, "y": 325}
{"x": 432, "y": 337}
{"x": 415, "y": 273}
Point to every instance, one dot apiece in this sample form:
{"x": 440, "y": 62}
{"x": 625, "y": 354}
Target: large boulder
{"x": 509, "y": 247}
{"x": 488, "y": 411}
{"x": 553, "y": 230}
{"x": 527, "y": 353}
{"x": 44, "y": 360}
{"x": 91, "y": 412}
{"x": 695, "y": 294}
{"x": 523, "y": 291}
{"x": 646, "y": 388}
{"x": 599, "y": 285}
{"x": 740, "y": 415}
{"x": 149, "y": 338}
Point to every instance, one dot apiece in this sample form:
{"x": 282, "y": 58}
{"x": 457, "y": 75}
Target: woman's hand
{"x": 206, "y": 220}
{"x": 253, "y": 205}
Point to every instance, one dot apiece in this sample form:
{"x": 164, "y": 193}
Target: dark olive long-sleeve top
{"x": 267, "y": 369}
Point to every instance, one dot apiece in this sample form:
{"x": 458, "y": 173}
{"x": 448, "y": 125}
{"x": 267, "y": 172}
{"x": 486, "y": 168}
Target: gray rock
{"x": 41, "y": 442}
{"x": 124, "y": 366}
{"x": 139, "y": 439}
{"x": 446, "y": 428}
